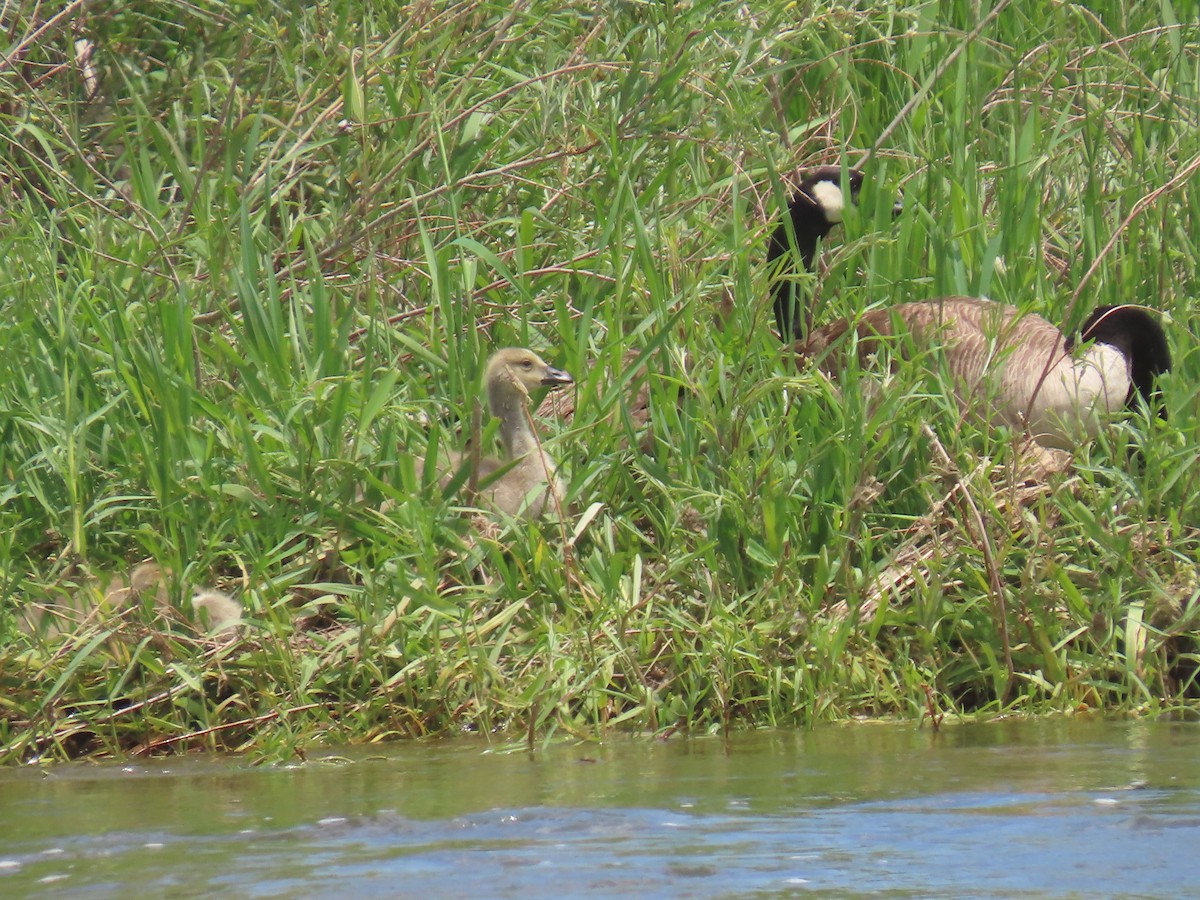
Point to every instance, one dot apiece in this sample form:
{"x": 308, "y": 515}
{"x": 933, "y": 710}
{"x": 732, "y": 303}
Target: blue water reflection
{"x": 1011, "y": 810}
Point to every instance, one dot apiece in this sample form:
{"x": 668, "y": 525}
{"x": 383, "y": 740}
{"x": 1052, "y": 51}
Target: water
{"x": 1020, "y": 809}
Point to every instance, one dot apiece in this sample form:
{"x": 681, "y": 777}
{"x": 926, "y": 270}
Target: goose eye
{"x": 527, "y": 364}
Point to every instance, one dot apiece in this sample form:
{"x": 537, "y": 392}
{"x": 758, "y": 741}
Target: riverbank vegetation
{"x": 256, "y": 258}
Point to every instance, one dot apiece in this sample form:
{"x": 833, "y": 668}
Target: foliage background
{"x": 256, "y": 253}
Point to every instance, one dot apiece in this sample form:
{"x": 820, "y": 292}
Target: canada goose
{"x": 815, "y": 207}
{"x": 92, "y": 598}
{"x": 1018, "y": 369}
{"x": 217, "y": 611}
{"x": 529, "y": 474}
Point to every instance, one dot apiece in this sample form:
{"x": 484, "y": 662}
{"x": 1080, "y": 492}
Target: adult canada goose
{"x": 816, "y": 206}
{"x": 529, "y": 475}
{"x": 217, "y": 611}
{"x": 1017, "y": 369}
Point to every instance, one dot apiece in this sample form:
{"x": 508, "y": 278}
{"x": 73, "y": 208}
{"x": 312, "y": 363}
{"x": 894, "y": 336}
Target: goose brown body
{"x": 1009, "y": 367}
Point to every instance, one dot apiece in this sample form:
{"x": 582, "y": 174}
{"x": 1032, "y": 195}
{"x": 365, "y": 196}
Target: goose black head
{"x": 1137, "y": 333}
{"x": 817, "y": 205}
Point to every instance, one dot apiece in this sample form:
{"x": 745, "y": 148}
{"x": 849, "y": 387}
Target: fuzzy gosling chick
{"x": 522, "y": 480}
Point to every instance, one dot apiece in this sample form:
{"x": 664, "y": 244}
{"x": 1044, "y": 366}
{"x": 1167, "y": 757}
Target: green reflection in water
{"x": 96, "y": 825}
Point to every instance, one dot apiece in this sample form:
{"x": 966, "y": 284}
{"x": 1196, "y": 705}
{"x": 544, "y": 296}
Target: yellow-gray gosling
{"x": 530, "y": 478}
{"x": 218, "y": 611}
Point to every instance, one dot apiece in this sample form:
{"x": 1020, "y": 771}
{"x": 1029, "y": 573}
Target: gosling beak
{"x": 554, "y": 377}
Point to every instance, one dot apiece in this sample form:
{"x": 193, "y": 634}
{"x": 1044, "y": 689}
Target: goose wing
{"x": 998, "y": 358}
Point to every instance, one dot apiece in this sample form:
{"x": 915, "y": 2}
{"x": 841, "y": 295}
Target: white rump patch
{"x": 1102, "y": 378}
{"x": 829, "y": 196}
{"x": 1076, "y": 394}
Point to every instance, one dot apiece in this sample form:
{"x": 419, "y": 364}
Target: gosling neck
{"x": 509, "y": 402}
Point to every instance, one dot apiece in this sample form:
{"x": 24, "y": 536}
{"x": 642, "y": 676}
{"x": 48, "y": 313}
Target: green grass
{"x": 258, "y": 271}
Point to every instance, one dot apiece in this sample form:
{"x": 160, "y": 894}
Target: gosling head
{"x": 517, "y": 371}
{"x": 1138, "y": 335}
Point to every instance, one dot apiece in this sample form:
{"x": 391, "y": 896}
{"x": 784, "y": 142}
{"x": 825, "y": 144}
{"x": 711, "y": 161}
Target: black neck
{"x": 1138, "y": 335}
{"x": 809, "y": 225}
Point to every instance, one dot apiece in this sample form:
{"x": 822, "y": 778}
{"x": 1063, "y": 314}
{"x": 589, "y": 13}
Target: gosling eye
{"x": 527, "y": 364}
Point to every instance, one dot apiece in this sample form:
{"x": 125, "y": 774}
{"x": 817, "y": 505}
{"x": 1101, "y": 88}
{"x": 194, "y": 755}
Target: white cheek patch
{"x": 829, "y": 196}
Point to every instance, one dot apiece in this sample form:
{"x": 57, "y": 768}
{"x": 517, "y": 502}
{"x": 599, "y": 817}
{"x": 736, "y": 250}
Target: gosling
{"x": 522, "y": 481}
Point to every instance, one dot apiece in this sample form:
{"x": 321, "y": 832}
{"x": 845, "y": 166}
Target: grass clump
{"x": 253, "y": 271}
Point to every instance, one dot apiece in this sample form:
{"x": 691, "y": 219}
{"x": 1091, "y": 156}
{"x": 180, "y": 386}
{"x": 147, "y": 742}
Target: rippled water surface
{"x": 1013, "y": 809}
